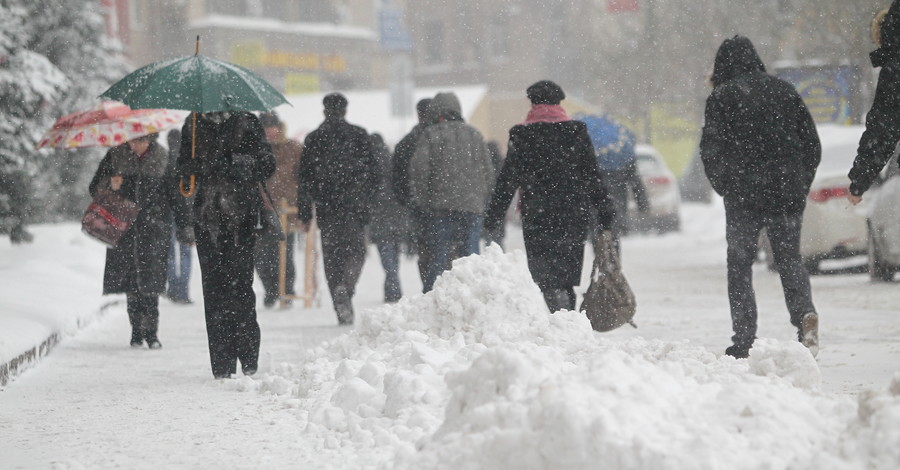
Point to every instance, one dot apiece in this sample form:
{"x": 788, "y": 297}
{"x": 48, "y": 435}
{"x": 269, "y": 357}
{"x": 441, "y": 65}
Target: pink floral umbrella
{"x": 109, "y": 124}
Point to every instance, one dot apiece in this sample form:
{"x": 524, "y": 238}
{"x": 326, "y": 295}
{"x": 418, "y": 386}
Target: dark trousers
{"x": 450, "y": 235}
{"x": 343, "y": 250}
{"x": 266, "y": 258}
{"x": 143, "y": 314}
{"x": 389, "y": 252}
{"x": 178, "y": 273}
{"x": 742, "y": 234}
{"x": 226, "y": 268}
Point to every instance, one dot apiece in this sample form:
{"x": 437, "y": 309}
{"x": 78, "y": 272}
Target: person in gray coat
{"x": 450, "y": 178}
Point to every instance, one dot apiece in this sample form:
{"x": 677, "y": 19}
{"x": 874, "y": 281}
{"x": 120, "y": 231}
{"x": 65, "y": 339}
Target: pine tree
{"x": 54, "y": 59}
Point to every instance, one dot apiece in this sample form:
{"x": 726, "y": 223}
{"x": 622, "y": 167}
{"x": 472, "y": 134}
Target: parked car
{"x": 662, "y": 192}
{"x": 832, "y": 229}
{"x": 883, "y": 224}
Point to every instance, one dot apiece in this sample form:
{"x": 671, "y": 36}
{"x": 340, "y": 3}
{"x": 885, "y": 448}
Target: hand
{"x": 854, "y": 200}
{"x": 115, "y": 182}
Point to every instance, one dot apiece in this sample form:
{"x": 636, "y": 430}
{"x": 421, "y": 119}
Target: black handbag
{"x": 609, "y": 302}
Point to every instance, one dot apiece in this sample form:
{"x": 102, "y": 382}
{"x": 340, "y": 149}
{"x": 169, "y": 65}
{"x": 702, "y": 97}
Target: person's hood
{"x": 889, "y": 50}
{"x": 445, "y": 105}
{"x": 736, "y": 57}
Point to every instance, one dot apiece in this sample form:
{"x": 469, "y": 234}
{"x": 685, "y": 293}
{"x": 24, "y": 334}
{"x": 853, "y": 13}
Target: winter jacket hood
{"x": 736, "y": 57}
{"x": 889, "y": 50}
{"x": 446, "y": 106}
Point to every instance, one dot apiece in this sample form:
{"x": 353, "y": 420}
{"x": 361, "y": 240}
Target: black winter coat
{"x": 554, "y": 166}
{"x": 390, "y": 220}
{"x": 338, "y": 174}
{"x": 759, "y": 145}
{"x": 403, "y": 153}
{"x": 137, "y": 265}
{"x": 232, "y": 158}
{"x": 883, "y": 121}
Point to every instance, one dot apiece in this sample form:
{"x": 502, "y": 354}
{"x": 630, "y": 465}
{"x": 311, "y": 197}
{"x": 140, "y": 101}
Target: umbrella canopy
{"x": 107, "y": 125}
{"x": 195, "y": 83}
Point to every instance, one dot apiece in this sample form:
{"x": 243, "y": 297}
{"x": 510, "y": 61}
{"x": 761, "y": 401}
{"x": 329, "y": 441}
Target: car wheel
{"x": 811, "y": 265}
{"x": 879, "y": 271}
{"x": 669, "y": 224}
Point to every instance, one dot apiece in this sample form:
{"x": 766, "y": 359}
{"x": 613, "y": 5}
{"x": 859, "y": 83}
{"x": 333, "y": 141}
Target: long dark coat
{"x": 554, "y": 166}
{"x": 390, "y": 220}
{"x": 883, "y": 121}
{"x": 137, "y": 265}
{"x": 759, "y": 145}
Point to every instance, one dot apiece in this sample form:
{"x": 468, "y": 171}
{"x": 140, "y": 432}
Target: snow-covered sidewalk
{"x": 474, "y": 375}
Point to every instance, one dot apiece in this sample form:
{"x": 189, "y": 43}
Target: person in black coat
{"x": 551, "y": 160}
{"x": 339, "y": 175}
{"x": 403, "y": 153}
{"x": 760, "y": 150}
{"x": 138, "y": 170}
{"x": 389, "y": 224}
{"x": 883, "y": 121}
{"x": 232, "y": 159}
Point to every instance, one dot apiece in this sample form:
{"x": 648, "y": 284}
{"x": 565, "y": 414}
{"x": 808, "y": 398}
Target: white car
{"x": 662, "y": 192}
{"x": 832, "y": 228}
{"x": 883, "y": 224}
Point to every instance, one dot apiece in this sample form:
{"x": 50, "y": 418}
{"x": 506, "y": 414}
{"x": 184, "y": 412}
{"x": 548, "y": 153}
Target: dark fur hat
{"x": 335, "y": 103}
{"x": 269, "y": 120}
{"x": 545, "y": 92}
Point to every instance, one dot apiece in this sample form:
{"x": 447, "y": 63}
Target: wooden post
{"x": 310, "y": 261}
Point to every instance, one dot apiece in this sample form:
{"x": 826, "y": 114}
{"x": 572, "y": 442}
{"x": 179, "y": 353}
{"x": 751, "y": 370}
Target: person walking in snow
{"x": 390, "y": 222}
{"x": 282, "y": 186}
{"x": 450, "y": 178}
{"x": 760, "y": 150}
{"x": 338, "y": 177}
{"x": 551, "y": 160}
{"x": 178, "y": 273}
{"x": 233, "y": 158}
{"x": 138, "y": 171}
{"x": 403, "y": 153}
{"x": 877, "y": 144}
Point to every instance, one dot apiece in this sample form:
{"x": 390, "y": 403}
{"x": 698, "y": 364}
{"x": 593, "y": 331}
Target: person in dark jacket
{"x": 138, "y": 170}
{"x": 551, "y": 160}
{"x": 232, "y": 159}
{"x": 178, "y": 274}
{"x": 339, "y": 175}
{"x": 389, "y": 223}
{"x": 882, "y": 132}
{"x": 282, "y": 186}
{"x": 403, "y": 153}
{"x": 450, "y": 178}
{"x": 760, "y": 150}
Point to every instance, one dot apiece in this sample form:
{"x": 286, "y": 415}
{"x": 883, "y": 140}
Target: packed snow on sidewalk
{"x": 477, "y": 374}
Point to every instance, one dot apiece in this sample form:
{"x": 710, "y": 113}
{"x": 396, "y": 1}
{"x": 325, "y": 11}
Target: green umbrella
{"x": 195, "y": 83}
{"x": 198, "y": 84}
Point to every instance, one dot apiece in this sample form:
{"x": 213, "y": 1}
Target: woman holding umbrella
{"x": 136, "y": 266}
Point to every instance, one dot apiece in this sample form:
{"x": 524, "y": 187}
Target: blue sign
{"x": 826, "y": 90}
{"x": 392, "y": 32}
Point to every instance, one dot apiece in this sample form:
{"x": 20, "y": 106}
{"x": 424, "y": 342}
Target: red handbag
{"x": 108, "y": 217}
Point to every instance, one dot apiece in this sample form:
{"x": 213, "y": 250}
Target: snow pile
{"x": 478, "y": 374}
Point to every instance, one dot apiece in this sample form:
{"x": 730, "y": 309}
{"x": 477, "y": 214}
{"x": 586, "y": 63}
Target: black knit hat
{"x": 545, "y": 92}
{"x": 269, "y": 120}
{"x": 335, "y": 102}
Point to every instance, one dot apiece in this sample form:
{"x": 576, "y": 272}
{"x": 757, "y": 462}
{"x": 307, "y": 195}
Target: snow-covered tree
{"x": 54, "y": 59}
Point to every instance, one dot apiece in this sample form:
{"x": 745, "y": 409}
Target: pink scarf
{"x": 546, "y": 113}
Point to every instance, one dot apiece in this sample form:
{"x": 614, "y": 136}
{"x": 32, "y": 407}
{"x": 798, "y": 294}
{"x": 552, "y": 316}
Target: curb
{"x": 30, "y": 358}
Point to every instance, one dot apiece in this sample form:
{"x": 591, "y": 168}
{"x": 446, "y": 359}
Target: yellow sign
{"x": 254, "y": 55}
{"x": 300, "y": 83}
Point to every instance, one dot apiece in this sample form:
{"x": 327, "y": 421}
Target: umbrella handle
{"x": 191, "y": 188}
